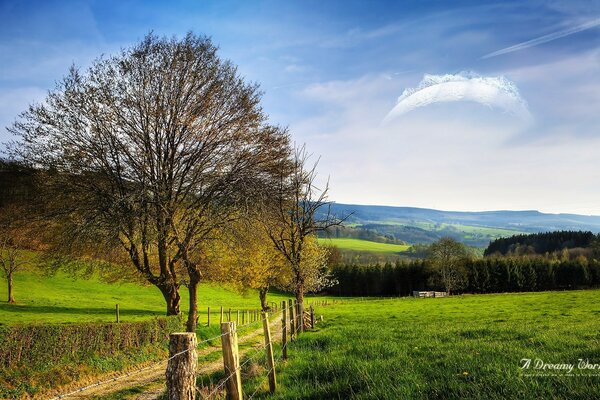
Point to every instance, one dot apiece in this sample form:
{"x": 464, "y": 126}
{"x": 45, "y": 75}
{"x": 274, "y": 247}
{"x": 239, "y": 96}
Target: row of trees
{"x": 161, "y": 159}
{"x": 540, "y": 243}
{"x": 488, "y": 275}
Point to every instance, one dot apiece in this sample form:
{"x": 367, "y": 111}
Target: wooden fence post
{"x": 208, "y": 317}
{"x": 181, "y": 368}
{"x": 292, "y": 312}
{"x": 237, "y": 317}
{"x": 229, "y": 315}
{"x": 283, "y": 331}
{"x": 231, "y": 361}
{"x": 247, "y": 316}
{"x": 221, "y": 320}
{"x": 270, "y": 358}
{"x": 300, "y": 316}
{"x": 117, "y": 313}
{"x": 312, "y": 317}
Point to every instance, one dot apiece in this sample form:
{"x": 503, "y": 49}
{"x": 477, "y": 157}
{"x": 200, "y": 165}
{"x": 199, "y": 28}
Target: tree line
{"x": 540, "y": 243}
{"x": 487, "y": 275}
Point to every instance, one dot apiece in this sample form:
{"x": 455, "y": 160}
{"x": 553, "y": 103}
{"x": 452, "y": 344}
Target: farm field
{"x": 365, "y": 245}
{"x": 62, "y": 299}
{"x": 467, "y": 347}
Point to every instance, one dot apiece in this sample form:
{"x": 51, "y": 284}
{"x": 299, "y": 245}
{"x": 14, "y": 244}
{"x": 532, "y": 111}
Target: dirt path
{"x": 152, "y": 379}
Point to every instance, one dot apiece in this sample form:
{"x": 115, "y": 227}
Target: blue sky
{"x": 508, "y": 116}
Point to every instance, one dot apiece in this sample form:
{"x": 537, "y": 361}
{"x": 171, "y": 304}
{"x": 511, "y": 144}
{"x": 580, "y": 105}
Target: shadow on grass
{"x": 21, "y": 308}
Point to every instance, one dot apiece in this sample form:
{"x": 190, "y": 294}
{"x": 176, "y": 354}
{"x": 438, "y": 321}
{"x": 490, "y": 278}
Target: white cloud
{"x": 494, "y": 92}
{"x": 457, "y": 156}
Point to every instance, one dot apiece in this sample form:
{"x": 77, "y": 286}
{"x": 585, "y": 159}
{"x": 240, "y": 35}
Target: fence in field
{"x": 182, "y": 363}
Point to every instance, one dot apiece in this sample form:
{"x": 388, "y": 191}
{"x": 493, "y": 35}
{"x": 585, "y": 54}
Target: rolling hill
{"x": 421, "y": 225}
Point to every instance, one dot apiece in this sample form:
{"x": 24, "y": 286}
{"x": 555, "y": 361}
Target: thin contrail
{"x": 546, "y": 38}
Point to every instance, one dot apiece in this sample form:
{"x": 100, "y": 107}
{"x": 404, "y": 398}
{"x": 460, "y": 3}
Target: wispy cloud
{"x": 545, "y": 39}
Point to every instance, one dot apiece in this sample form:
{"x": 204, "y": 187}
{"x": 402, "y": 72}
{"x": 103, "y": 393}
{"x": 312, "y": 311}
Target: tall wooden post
{"x": 312, "y": 317}
{"x": 117, "y": 313}
{"x": 181, "y": 368}
{"x": 300, "y": 316}
{"x": 208, "y": 317}
{"x": 221, "y": 320}
{"x": 283, "y": 331}
{"x": 229, "y": 315}
{"x": 292, "y": 319}
{"x": 231, "y": 361}
{"x": 269, "y": 347}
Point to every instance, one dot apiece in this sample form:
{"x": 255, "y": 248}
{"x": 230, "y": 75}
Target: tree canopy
{"x": 150, "y": 151}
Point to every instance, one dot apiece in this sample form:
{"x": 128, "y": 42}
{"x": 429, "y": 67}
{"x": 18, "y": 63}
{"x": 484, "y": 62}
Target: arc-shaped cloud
{"x": 494, "y": 92}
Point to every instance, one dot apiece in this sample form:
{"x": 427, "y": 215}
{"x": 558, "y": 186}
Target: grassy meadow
{"x": 62, "y": 299}
{"x": 464, "y": 347}
{"x": 364, "y": 245}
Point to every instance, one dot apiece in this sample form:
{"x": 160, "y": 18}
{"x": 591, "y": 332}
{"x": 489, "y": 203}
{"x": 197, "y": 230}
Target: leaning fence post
{"x": 312, "y": 317}
{"x": 181, "y": 367}
{"x": 292, "y": 319}
{"x": 231, "y": 361}
{"x": 117, "y": 313}
{"x": 269, "y": 347}
{"x": 283, "y": 331}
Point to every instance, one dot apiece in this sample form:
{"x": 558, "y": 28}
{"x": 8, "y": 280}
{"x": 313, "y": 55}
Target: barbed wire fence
{"x": 293, "y": 318}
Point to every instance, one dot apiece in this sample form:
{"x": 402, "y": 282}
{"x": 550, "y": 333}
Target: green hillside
{"x": 59, "y": 299}
{"x": 364, "y": 245}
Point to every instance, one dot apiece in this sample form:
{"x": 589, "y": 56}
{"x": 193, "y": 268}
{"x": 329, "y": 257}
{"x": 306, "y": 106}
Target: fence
{"x": 182, "y": 361}
{"x": 181, "y": 371}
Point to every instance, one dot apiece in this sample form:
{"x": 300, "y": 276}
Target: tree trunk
{"x": 262, "y": 293}
{"x": 170, "y": 292}
{"x": 9, "y": 278}
{"x": 192, "y": 321}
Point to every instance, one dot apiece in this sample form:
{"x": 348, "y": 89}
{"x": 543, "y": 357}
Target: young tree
{"x": 245, "y": 258}
{"x": 10, "y": 262}
{"x": 447, "y": 257}
{"x": 298, "y": 211}
{"x": 152, "y": 150}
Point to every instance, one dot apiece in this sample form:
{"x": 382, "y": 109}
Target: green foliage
{"x": 488, "y": 275}
{"x": 463, "y": 347}
{"x": 540, "y": 243}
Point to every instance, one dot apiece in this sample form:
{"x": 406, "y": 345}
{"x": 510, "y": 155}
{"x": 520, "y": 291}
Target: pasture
{"x": 467, "y": 347}
{"x": 62, "y": 299}
{"x": 364, "y": 245}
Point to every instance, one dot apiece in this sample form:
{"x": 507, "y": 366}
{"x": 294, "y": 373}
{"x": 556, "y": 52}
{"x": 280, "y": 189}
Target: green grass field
{"x": 364, "y": 245}
{"x": 61, "y": 299}
{"x": 465, "y": 347}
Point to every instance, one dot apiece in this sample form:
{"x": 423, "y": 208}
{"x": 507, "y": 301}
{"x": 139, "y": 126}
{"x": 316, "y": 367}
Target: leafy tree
{"x": 151, "y": 151}
{"x": 448, "y": 257}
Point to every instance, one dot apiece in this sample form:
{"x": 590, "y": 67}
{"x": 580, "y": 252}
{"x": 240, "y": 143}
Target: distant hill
{"x": 422, "y": 225}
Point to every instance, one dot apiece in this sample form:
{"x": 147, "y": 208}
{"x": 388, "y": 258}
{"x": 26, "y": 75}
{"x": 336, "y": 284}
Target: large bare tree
{"x": 299, "y": 210}
{"x": 152, "y": 150}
